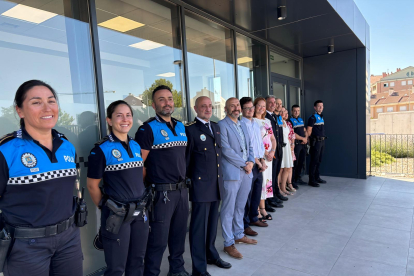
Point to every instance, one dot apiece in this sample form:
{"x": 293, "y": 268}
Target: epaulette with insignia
{"x": 7, "y": 138}
{"x": 60, "y": 135}
{"x": 149, "y": 120}
{"x": 100, "y": 142}
{"x": 190, "y": 123}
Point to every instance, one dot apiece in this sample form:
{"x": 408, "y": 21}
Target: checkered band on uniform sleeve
{"x": 124, "y": 166}
{"x": 170, "y": 145}
{"x": 40, "y": 177}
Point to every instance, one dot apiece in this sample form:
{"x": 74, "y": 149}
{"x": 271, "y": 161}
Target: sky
{"x": 391, "y": 27}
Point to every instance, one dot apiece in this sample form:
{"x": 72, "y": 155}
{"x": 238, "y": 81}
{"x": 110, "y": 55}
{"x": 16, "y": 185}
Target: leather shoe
{"x": 200, "y": 274}
{"x": 182, "y": 273}
{"x": 321, "y": 181}
{"x": 275, "y": 199}
{"x": 259, "y": 224}
{"x": 299, "y": 181}
{"x": 250, "y": 232}
{"x": 246, "y": 240}
{"x": 269, "y": 209}
{"x": 233, "y": 252}
{"x": 220, "y": 263}
{"x": 272, "y": 204}
{"x": 313, "y": 184}
{"x": 279, "y": 205}
{"x": 283, "y": 198}
{"x": 295, "y": 186}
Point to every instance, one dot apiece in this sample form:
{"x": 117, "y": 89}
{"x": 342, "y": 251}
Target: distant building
{"x": 134, "y": 100}
{"x": 392, "y": 92}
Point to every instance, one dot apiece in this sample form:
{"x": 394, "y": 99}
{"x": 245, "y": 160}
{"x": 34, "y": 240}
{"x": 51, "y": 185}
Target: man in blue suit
{"x": 238, "y": 160}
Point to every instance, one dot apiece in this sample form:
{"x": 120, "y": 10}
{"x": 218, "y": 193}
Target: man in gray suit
{"x": 238, "y": 160}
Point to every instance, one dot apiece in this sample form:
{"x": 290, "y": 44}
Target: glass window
{"x": 385, "y": 84}
{"x": 294, "y": 96}
{"x": 251, "y": 67}
{"x": 210, "y": 62}
{"x": 283, "y": 65}
{"x": 390, "y": 109}
{"x": 392, "y": 84}
{"x": 410, "y": 82}
{"x": 403, "y": 108}
{"x": 404, "y": 83}
{"x": 140, "y": 49}
{"x": 379, "y": 110}
{"x": 50, "y": 41}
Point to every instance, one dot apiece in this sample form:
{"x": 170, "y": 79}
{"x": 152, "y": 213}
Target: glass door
{"x": 278, "y": 87}
{"x": 287, "y": 89}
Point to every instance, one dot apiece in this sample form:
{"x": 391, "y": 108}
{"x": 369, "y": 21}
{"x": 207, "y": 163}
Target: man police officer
{"x": 316, "y": 133}
{"x": 300, "y": 144}
{"x": 163, "y": 143}
{"x": 203, "y": 157}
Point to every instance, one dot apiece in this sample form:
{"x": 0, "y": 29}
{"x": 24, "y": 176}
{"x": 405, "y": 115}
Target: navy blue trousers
{"x": 253, "y": 201}
{"x": 169, "y": 227}
{"x": 203, "y": 232}
{"x": 125, "y": 251}
{"x": 59, "y": 255}
{"x": 300, "y": 153}
{"x": 316, "y": 153}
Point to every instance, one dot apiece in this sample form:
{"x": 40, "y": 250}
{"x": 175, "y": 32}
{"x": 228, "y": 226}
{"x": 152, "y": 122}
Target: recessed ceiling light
{"x": 244, "y": 60}
{"x": 167, "y": 75}
{"x": 147, "y": 45}
{"x": 121, "y": 24}
{"x": 29, "y": 14}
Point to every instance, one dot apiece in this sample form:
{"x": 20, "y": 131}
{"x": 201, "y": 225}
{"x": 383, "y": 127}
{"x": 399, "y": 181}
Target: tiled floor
{"x": 346, "y": 227}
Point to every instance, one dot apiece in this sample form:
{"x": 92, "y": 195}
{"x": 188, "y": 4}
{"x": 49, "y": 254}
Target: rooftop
{"x": 346, "y": 227}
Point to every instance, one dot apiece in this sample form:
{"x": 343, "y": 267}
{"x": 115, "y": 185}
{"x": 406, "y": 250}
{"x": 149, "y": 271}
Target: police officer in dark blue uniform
{"x": 37, "y": 176}
{"x": 163, "y": 142}
{"x": 203, "y": 168}
{"x": 316, "y": 133}
{"x": 124, "y": 226}
{"x": 301, "y": 142}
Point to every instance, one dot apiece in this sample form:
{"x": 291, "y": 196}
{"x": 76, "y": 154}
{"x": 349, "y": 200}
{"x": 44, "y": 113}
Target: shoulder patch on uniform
{"x": 60, "y": 135}
{"x": 100, "y": 142}
{"x": 7, "y": 138}
{"x": 190, "y": 123}
{"x": 149, "y": 120}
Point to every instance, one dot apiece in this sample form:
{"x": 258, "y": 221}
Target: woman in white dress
{"x": 269, "y": 142}
{"x": 287, "y": 159}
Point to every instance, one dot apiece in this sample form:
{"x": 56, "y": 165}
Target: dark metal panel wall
{"x": 361, "y": 94}
{"x": 334, "y": 79}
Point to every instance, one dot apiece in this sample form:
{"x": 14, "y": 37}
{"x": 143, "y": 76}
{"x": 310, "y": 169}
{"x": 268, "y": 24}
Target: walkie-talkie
{"x": 81, "y": 214}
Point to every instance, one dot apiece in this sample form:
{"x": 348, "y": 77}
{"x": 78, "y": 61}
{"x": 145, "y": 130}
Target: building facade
{"x": 93, "y": 52}
{"x": 392, "y": 92}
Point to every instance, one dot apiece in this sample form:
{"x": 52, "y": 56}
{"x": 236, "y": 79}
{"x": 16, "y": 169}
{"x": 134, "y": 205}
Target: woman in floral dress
{"x": 269, "y": 142}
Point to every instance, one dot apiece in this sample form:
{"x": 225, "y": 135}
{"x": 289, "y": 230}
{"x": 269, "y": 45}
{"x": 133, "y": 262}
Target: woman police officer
{"x": 37, "y": 177}
{"x": 124, "y": 227}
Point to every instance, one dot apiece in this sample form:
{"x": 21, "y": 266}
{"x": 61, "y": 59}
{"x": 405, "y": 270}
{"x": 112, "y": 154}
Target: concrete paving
{"x": 345, "y": 227}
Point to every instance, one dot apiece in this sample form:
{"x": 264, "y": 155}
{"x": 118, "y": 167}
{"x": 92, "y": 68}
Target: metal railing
{"x": 390, "y": 154}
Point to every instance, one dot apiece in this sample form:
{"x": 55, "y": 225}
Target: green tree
{"x": 147, "y": 94}
{"x": 10, "y": 114}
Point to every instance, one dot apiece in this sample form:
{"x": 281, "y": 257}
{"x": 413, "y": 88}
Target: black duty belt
{"x": 41, "y": 232}
{"x": 319, "y": 138}
{"x": 169, "y": 187}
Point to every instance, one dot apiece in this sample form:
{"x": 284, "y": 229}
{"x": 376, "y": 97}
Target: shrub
{"x": 378, "y": 158}
{"x": 398, "y": 146}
